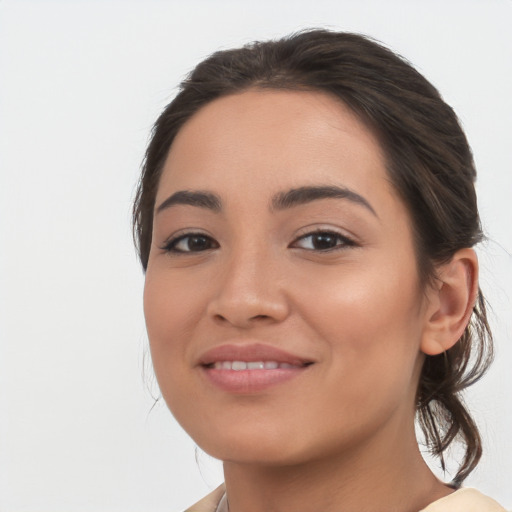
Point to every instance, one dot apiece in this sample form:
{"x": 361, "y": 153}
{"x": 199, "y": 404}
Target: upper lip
{"x": 250, "y": 353}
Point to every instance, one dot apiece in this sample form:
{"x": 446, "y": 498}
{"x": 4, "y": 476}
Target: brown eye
{"x": 323, "y": 241}
{"x": 194, "y": 242}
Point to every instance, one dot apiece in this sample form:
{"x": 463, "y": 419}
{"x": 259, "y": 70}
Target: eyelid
{"x": 347, "y": 240}
{"x": 174, "y": 238}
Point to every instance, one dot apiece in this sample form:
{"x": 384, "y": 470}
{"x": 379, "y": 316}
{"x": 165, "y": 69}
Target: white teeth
{"x": 252, "y": 365}
{"x": 258, "y": 365}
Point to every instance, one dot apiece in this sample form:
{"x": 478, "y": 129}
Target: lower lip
{"x": 251, "y": 381}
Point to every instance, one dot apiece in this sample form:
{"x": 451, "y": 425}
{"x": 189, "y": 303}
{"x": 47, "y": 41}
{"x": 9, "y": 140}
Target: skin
{"x": 342, "y": 432}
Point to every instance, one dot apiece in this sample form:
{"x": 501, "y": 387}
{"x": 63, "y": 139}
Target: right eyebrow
{"x": 192, "y": 198}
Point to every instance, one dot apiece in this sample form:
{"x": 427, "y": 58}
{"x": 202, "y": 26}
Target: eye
{"x": 190, "y": 242}
{"x": 323, "y": 241}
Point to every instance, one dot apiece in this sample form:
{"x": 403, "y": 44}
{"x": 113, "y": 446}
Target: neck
{"x": 379, "y": 476}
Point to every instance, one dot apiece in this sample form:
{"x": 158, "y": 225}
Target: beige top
{"x": 463, "y": 500}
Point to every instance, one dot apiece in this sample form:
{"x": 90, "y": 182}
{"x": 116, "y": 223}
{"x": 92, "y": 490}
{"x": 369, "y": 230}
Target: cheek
{"x": 172, "y": 304}
{"x": 369, "y": 328}
{"x": 368, "y": 318}
{"x": 169, "y": 309}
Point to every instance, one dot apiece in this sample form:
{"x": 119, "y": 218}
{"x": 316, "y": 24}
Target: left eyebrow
{"x": 192, "y": 198}
{"x": 303, "y": 195}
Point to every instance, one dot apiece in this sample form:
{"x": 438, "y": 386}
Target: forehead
{"x": 262, "y": 139}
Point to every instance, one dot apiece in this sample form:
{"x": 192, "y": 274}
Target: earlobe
{"x": 451, "y": 302}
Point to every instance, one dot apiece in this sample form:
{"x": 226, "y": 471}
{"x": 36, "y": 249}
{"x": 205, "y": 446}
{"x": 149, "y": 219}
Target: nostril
{"x": 257, "y": 318}
{"x": 245, "y": 311}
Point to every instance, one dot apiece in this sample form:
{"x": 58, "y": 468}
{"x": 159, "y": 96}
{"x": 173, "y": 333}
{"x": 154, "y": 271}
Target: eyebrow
{"x": 281, "y": 201}
{"x": 192, "y": 198}
{"x": 303, "y": 195}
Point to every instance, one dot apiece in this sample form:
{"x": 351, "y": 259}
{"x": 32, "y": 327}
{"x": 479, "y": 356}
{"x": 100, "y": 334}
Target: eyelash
{"x": 170, "y": 245}
{"x": 342, "y": 242}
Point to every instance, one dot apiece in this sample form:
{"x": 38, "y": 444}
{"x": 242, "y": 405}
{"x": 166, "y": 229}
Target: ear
{"x": 450, "y": 302}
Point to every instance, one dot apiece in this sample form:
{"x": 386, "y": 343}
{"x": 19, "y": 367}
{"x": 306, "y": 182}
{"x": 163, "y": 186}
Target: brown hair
{"x": 428, "y": 159}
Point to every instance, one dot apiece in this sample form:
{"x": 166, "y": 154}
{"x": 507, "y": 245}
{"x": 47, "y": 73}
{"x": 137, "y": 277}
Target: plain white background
{"x": 80, "y": 85}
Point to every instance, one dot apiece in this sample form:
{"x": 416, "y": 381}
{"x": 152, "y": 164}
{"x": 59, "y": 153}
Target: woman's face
{"x": 282, "y": 299}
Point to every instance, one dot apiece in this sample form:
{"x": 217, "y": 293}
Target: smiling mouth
{"x": 253, "y": 365}
{"x": 251, "y": 368}
{"x": 252, "y": 377}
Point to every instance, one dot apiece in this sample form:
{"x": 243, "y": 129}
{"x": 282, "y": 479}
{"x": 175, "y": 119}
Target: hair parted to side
{"x": 429, "y": 163}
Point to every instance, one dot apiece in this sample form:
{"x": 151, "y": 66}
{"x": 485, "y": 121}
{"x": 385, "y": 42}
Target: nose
{"x": 249, "y": 291}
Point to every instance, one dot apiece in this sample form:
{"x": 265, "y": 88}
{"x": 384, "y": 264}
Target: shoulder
{"x": 465, "y": 500}
{"x": 210, "y": 502}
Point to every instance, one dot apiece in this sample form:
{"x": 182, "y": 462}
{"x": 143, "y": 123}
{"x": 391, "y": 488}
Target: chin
{"x": 267, "y": 448}
{"x": 244, "y": 455}
{"x": 255, "y": 448}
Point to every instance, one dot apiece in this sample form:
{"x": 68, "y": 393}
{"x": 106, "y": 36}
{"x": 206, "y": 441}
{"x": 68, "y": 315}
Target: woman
{"x": 306, "y": 217}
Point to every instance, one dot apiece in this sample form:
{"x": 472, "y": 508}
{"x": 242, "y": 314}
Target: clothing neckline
{"x": 466, "y": 499}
